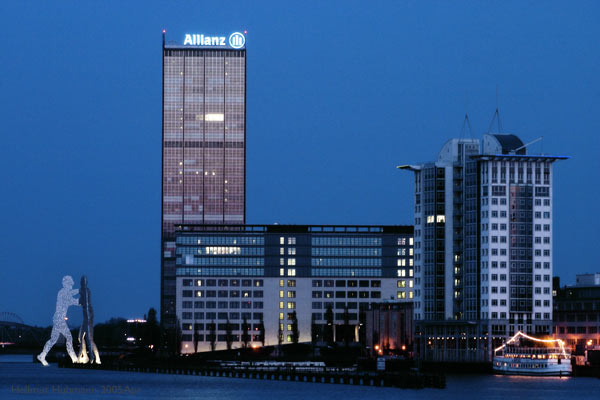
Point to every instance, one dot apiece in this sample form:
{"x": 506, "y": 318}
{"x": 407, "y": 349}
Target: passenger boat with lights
{"x": 526, "y": 355}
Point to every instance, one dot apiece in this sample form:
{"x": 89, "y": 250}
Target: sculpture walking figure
{"x": 86, "y": 331}
{"x": 64, "y": 299}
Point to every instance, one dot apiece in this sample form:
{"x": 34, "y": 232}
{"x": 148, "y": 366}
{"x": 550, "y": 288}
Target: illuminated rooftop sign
{"x": 236, "y": 40}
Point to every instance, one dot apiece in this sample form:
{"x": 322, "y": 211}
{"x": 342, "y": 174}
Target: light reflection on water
{"x": 32, "y": 381}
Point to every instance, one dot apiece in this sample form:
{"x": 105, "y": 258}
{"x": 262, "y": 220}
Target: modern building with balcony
{"x": 483, "y": 247}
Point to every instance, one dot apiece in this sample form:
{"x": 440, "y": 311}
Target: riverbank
{"x": 410, "y": 379}
{"x": 53, "y": 383}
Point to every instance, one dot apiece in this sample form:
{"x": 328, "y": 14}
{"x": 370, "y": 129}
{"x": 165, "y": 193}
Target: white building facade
{"x": 483, "y": 247}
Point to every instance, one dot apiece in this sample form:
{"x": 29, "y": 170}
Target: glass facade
{"x": 204, "y": 144}
{"x": 296, "y": 271}
{"x": 301, "y": 252}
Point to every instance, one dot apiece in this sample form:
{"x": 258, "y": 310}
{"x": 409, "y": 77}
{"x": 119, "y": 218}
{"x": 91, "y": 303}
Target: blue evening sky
{"x": 339, "y": 93}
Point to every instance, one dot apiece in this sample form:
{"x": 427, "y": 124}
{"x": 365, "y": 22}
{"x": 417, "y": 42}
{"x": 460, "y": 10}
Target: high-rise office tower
{"x": 203, "y": 142}
{"x": 483, "y": 247}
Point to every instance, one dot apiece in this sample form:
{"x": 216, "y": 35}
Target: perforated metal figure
{"x": 86, "y": 331}
{"x": 64, "y": 300}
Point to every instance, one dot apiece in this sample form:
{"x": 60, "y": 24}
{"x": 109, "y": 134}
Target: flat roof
{"x": 515, "y": 157}
{"x": 292, "y": 228}
{"x": 190, "y": 47}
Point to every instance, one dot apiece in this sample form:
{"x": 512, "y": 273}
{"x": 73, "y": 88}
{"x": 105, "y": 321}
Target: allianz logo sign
{"x": 236, "y": 40}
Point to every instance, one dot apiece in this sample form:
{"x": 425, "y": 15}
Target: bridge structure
{"x": 14, "y": 331}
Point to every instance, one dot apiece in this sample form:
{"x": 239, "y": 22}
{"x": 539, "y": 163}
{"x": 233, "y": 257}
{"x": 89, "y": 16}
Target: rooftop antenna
{"x": 466, "y": 124}
{"x": 496, "y": 116}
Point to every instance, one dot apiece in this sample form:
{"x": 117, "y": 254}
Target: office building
{"x": 229, "y": 273}
{"x": 203, "y": 142}
{"x": 483, "y": 247}
{"x": 577, "y": 313}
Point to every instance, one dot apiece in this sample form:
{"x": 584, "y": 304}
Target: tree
{"x": 261, "y": 328}
{"x": 295, "y": 331}
{"x": 110, "y": 333}
{"x": 177, "y": 337}
{"x": 279, "y": 336}
{"x": 228, "y": 334}
{"x": 172, "y": 338}
{"x": 245, "y": 335}
{"x": 347, "y": 337}
{"x": 196, "y": 334}
{"x": 315, "y": 333}
{"x": 212, "y": 336}
{"x": 151, "y": 331}
{"x": 328, "y": 334}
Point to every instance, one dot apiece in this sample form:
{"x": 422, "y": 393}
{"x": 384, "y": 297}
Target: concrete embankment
{"x": 405, "y": 379}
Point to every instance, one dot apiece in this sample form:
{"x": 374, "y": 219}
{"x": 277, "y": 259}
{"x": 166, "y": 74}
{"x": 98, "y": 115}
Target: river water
{"x": 20, "y": 378}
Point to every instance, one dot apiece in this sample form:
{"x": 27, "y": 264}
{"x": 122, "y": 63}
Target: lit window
{"x": 291, "y": 305}
{"x": 410, "y": 272}
{"x": 441, "y": 218}
{"x": 282, "y": 240}
{"x": 401, "y": 283}
{"x": 281, "y": 293}
{"x": 292, "y": 272}
{"x": 281, "y": 304}
{"x": 281, "y": 282}
{"x": 430, "y": 219}
{"x": 401, "y": 272}
{"x": 401, "y": 262}
{"x": 401, "y": 295}
{"x": 291, "y": 261}
{"x": 410, "y": 283}
{"x": 281, "y": 272}
{"x": 291, "y": 294}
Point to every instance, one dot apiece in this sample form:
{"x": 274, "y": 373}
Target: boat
{"x": 526, "y": 355}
